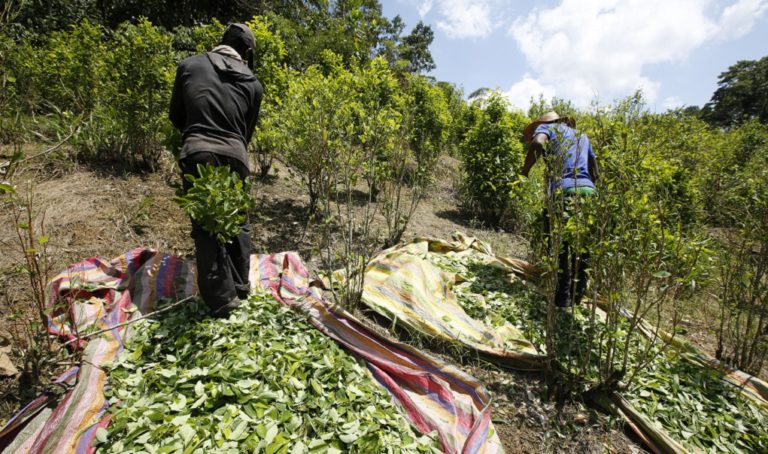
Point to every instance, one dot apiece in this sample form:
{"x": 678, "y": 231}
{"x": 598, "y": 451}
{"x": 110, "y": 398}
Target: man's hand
{"x": 593, "y": 169}
{"x": 535, "y": 150}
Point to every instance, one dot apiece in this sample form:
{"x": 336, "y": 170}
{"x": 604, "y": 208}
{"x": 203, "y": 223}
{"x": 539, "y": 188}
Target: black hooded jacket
{"x": 215, "y": 104}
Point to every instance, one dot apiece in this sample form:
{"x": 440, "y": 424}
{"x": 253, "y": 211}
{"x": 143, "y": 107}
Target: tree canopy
{"x": 356, "y": 30}
{"x": 742, "y": 95}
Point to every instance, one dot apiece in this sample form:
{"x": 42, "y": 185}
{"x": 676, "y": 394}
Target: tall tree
{"x": 415, "y": 49}
{"x": 742, "y": 94}
{"x": 408, "y": 53}
{"x": 351, "y": 29}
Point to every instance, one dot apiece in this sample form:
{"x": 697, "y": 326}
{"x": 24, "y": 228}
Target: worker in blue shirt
{"x": 573, "y": 174}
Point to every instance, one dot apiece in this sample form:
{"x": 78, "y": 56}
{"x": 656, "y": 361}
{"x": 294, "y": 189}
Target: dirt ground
{"x": 104, "y": 211}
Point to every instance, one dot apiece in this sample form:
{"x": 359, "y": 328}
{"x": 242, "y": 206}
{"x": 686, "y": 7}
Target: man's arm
{"x": 535, "y": 150}
{"x": 177, "y": 112}
{"x": 593, "y": 169}
{"x": 592, "y": 163}
{"x": 253, "y": 113}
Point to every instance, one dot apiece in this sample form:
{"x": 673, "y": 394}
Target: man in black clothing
{"x": 215, "y": 104}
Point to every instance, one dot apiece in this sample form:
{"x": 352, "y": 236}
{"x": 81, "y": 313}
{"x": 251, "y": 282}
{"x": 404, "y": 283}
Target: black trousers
{"x": 571, "y": 275}
{"x": 222, "y": 269}
{"x": 572, "y": 265}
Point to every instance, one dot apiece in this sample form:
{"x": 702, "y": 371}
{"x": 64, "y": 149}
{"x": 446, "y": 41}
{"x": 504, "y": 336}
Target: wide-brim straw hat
{"x": 549, "y": 117}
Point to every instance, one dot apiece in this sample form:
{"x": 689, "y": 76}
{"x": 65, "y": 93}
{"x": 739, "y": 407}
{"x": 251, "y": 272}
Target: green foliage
{"x": 687, "y": 400}
{"x": 218, "y": 200}
{"x": 353, "y": 29}
{"x": 47, "y": 15}
{"x": 644, "y": 252}
{"x": 9, "y": 121}
{"x": 418, "y": 142}
{"x": 337, "y": 127}
{"x": 740, "y": 95}
{"x": 350, "y": 29}
{"x": 188, "y": 41}
{"x": 697, "y": 408}
{"x": 68, "y": 70}
{"x": 114, "y": 86}
{"x": 742, "y": 284}
{"x": 456, "y": 109}
{"x": 414, "y": 49}
{"x": 55, "y": 15}
{"x": 742, "y": 293}
{"x": 141, "y": 68}
{"x": 563, "y": 107}
{"x": 427, "y": 119}
{"x": 656, "y": 154}
{"x": 730, "y": 174}
{"x": 676, "y": 145}
{"x": 272, "y": 71}
{"x": 492, "y": 154}
{"x": 263, "y": 381}
{"x": 270, "y": 55}
{"x": 316, "y": 120}
{"x": 378, "y": 119}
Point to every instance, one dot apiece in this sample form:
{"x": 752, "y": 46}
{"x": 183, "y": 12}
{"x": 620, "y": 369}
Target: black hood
{"x": 230, "y": 66}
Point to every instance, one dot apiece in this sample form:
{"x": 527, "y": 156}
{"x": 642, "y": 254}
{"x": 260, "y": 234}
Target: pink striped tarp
{"x": 96, "y": 294}
{"x": 434, "y": 394}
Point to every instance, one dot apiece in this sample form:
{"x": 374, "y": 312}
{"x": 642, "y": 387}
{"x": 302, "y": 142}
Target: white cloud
{"x": 738, "y": 19}
{"x": 424, "y": 7}
{"x": 466, "y": 18}
{"x": 591, "y": 48}
{"x": 671, "y": 102}
{"x": 520, "y": 94}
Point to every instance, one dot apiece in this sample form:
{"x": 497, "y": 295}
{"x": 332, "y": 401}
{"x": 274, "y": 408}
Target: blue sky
{"x": 584, "y": 50}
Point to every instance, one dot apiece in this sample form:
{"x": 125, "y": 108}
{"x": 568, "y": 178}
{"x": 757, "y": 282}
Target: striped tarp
{"x": 97, "y": 294}
{"x": 104, "y": 293}
{"x": 403, "y": 285}
{"x": 435, "y": 395}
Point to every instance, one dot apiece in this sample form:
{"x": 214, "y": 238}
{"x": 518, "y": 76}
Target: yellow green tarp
{"x": 403, "y": 285}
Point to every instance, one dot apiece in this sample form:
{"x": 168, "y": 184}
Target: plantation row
{"x": 343, "y": 123}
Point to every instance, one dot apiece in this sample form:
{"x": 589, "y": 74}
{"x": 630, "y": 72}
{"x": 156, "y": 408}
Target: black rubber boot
{"x": 225, "y": 310}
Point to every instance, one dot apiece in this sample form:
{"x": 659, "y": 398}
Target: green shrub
{"x": 742, "y": 284}
{"x": 730, "y": 170}
{"x": 427, "y": 120}
{"x": 188, "y": 41}
{"x": 492, "y": 154}
{"x": 415, "y": 122}
{"x": 316, "y": 119}
{"x": 642, "y": 260}
{"x": 272, "y": 72}
{"x": 142, "y": 68}
{"x": 113, "y": 86}
{"x": 67, "y": 70}
{"x": 7, "y": 79}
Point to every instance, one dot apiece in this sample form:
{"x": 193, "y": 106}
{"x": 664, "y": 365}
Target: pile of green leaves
{"x": 691, "y": 403}
{"x": 218, "y": 200}
{"x": 487, "y": 294}
{"x": 263, "y": 380}
{"x": 697, "y": 408}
